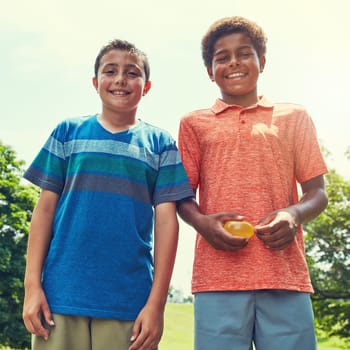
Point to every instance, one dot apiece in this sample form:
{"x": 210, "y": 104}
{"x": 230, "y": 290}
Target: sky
{"x": 48, "y": 49}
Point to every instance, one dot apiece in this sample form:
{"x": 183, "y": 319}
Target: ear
{"x": 210, "y": 73}
{"x": 147, "y": 87}
{"x": 95, "y": 83}
{"x": 262, "y": 61}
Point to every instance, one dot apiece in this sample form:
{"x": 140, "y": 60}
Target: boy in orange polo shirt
{"x": 245, "y": 155}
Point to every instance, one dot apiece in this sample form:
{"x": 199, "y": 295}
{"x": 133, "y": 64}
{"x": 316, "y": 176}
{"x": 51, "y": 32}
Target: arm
{"x": 35, "y": 304}
{"x": 211, "y": 226}
{"x": 277, "y": 230}
{"x": 148, "y": 327}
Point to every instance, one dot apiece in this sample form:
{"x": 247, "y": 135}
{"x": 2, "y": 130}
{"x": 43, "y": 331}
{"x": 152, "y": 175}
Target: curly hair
{"x": 118, "y": 44}
{"x": 229, "y": 25}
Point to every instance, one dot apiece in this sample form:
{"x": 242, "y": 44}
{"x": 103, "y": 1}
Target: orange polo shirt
{"x": 249, "y": 160}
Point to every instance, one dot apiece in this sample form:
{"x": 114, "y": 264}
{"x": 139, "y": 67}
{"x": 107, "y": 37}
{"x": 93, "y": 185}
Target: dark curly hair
{"x": 118, "y": 44}
{"x": 229, "y": 25}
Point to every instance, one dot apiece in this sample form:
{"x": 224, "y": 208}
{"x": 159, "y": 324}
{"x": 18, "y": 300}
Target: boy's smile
{"x": 235, "y": 76}
{"x": 119, "y": 93}
{"x": 120, "y": 82}
{"x": 236, "y": 68}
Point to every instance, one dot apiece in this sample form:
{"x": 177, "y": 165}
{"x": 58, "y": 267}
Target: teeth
{"x": 119, "y": 92}
{"x": 235, "y": 75}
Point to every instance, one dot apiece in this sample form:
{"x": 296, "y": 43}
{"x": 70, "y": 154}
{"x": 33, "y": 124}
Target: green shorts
{"x": 85, "y": 333}
{"x": 269, "y": 319}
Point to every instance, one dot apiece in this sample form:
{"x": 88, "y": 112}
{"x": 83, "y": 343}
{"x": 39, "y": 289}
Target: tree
{"x": 16, "y": 204}
{"x": 328, "y": 249}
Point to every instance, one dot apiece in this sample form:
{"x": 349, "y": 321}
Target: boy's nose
{"x": 234, "y": 61}
{"x": 119, "y": 79}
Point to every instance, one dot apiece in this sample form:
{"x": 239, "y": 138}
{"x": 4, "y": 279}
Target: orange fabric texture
{"x": 249, "y": 160}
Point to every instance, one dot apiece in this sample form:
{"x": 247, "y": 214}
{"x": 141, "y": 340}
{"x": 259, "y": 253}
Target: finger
{"x": 231, "y": 216}
{"x": 266, "y": 234}
{"x": 234, "y": 243}
{"x": 28, "y": 324}
{"x": 279, "y": 242}
{"x": 269, "y": 228}
{"x": 265, "y": 221}
{"x": 148, "y": 342}
{"x": 136, "y": 329}
{"x": 264, "y": 228}
{"x": 138, "y": 342}
{"x": 38, "y": 328}
{"x": 47, "y": 316}
{"x": 32, "y": 323}
{"x": 270, "y": 239}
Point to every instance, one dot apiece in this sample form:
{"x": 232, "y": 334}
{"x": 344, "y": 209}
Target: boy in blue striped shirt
{"x": 93, "y": 278}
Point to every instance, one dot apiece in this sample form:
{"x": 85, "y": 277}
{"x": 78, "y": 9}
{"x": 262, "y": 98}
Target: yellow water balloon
{"x": 239, "y": 228}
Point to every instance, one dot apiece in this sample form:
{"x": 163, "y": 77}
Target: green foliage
{"x": 328, "y": 249}
{"x": 16, "y": 204}
{"x": 177, "y": 296}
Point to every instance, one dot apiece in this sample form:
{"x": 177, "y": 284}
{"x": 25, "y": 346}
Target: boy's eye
{"x": 239, "y": 56}
{"x": 133, "y": 74}
{"x": 221, "y": 58}
{"x": 244, "y": 55}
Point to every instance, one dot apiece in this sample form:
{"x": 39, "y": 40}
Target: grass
{"x": 178, "y": 330}
{"x": 331, "y": 344}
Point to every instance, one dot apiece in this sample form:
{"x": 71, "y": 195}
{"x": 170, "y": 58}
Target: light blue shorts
{"x": 269, "y": 319}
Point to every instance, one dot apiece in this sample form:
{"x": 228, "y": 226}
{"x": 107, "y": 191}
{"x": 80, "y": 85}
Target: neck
{"x": 243, "y": 101}
{"x": 116, "y": 123}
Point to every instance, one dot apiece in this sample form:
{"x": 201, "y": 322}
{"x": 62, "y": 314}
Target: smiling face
{"x": 235, "y": 69}
{"x": 120, "y": 82}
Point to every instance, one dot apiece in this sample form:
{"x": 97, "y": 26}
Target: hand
{"x": 36, "y": 311}
{"x": 148, "y": 329}
{"x": 211, "y": 228}
{"x": 277, "y": 230}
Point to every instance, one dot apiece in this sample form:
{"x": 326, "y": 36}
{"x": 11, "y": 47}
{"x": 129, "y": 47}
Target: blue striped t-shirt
{"x": 99, "y": 262}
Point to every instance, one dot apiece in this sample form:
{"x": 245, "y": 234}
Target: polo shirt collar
{"x": 220, "y": 106}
